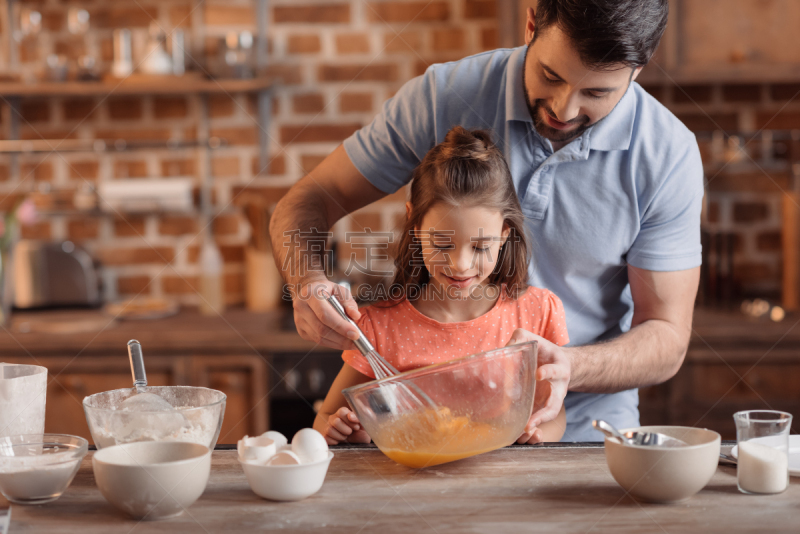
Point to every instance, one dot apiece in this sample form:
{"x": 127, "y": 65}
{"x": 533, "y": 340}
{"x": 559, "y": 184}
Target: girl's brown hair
{"x": 464, "y": 170}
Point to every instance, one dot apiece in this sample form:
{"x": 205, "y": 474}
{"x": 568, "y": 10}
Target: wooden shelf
{"x": 29, "y": 146}
{"x": 134, "y": 86}
{"x": 720, "y": 73}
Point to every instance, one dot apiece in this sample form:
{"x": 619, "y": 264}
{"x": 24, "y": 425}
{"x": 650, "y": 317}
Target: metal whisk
{"x": 406, "y": 400}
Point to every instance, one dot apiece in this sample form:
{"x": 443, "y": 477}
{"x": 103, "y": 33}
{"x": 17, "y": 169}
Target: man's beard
{"x": 554, "y": 135}
{"x": 557, "y": 136}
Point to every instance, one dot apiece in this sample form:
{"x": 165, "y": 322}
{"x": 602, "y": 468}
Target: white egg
{"x": 309, "y": 446}
{"x": 279, "y": 439}
{"x": 284, "y": 458}
{"x": 259, "y": 449}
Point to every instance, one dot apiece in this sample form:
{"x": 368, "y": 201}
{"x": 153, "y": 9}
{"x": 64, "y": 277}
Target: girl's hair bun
{"x": 465, "y": 144}
{"x": 466, "y": 169}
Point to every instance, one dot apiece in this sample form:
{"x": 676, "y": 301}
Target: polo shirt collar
{"x": 516, "y": 105}
{"x": 616, "y": 130}
{"x": 612, "y": 133}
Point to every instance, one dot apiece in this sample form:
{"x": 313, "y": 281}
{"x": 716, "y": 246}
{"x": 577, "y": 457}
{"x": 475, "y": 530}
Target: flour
{"x": 146, "y": 413}
{"x": 186, "y": 423}
{"x": 146, "y": 402}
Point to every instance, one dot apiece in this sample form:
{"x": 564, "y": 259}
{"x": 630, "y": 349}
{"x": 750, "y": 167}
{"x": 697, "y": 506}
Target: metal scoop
{"x": 141, "y": 400}
{"x": 646, "y": 439}
{"x": 144, "y": 413}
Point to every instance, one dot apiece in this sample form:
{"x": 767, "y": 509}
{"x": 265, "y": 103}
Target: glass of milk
{"x": 762, "y": 437}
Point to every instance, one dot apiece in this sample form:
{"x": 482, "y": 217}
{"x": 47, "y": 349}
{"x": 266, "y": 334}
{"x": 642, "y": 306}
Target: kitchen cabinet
{"x": 733, "y": 363}
{"x": 298, "y": 385}
{"x": 710, "y": 41}
{"x": 243, "y": 354}
{"x": 240, "y": 377}
{"x": 729, "y": 40}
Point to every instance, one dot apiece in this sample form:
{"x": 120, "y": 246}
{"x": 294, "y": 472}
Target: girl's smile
{"x": 460, "y": 247}
{"x": 459, "y": 282}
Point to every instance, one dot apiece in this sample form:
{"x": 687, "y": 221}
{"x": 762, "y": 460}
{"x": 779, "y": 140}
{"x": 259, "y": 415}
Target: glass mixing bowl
{"x": 482, "y": 403}
{"x": 197, "y": 417}
{"x": 38, "y": 468}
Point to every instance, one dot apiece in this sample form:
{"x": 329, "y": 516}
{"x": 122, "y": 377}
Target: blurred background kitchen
{"x": 145, "y": 143}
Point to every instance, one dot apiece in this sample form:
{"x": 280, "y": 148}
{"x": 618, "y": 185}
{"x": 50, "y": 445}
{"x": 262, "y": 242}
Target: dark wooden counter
{"x": 240, "y": 330}
{"x": 189, "y": 331}
{"x": 733, "y": 363}
{"x": 518, "y": 489}
{"x": 732, "y": 329}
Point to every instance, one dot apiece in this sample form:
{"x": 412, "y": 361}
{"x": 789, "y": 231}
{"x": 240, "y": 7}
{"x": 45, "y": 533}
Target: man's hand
{"x": 552, "y": 382}
{"x": 315, "y": 318}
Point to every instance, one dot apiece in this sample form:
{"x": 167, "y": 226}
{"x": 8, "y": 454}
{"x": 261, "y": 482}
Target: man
{"x": 610, "y": 182}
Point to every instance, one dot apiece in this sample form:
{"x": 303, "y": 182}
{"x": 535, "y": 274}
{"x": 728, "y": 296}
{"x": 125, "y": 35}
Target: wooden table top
{"x": 560, "y": 489}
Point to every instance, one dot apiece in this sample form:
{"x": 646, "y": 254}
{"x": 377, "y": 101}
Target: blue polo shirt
{"x": 627, "y": 191}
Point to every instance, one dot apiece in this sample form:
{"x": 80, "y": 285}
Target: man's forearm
{"x": 298, "y": 229}
{"x": 650, "y": 353}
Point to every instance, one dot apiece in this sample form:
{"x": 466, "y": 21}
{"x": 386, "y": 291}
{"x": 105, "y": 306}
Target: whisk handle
{"x": 362, "y": 343}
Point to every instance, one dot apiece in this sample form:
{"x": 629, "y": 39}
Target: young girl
{"x": 462, "y": 263}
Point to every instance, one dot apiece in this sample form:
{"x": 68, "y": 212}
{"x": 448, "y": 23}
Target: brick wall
{"x": 338, "y": 61}
{"x": 744, "y": 186}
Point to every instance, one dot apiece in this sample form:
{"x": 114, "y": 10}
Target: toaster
{"x": 53, "y": 274}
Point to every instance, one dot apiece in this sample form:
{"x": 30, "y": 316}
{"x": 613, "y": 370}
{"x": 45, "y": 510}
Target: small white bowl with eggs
{"x": 279, "y": 471}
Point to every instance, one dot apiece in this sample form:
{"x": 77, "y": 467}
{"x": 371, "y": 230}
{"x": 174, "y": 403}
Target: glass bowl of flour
{"x": 193, "y": 414}
{"x": 38, "y": 468}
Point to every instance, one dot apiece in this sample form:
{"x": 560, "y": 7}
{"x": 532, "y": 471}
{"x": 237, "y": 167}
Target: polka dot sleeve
{"x": 555, "y": 321}
{"x": 355, "y": 359}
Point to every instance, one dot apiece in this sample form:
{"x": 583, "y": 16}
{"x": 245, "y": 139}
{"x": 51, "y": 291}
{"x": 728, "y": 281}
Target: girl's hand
{"x": 552, "y": 378}
{"x": 344, "y": 426}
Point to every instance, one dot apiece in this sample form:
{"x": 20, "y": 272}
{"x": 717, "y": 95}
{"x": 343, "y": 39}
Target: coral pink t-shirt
{"x": 408, "y": 339}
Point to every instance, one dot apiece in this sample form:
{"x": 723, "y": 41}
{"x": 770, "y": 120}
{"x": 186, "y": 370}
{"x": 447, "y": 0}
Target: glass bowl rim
{"x": 405, "y": 375}
{"x": 74, "y": 451}
{"x": 112, "y": 410}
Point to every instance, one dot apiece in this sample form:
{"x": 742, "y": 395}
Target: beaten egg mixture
{"x": 437, "y": 436}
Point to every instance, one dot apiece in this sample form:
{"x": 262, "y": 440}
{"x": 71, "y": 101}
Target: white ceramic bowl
{"x": 153, "y": 479}
{"x": 38, "y": 468}
{"x": 286, "y": 482}
{"x": 658, "y": 474}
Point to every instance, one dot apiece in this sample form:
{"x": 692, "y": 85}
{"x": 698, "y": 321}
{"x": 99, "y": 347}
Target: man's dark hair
{"x": 607, "y": 32}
